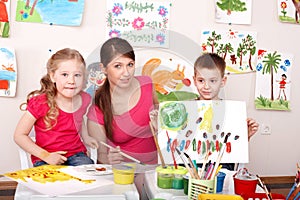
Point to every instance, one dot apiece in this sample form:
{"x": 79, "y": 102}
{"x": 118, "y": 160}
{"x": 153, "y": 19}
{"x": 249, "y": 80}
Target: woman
{"x": 120, "y": 113}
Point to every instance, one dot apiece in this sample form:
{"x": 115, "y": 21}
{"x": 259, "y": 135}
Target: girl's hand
{"x": 114, "y": 156}
{"x": 56, "y": 158}
{"x": 252, "y": 127}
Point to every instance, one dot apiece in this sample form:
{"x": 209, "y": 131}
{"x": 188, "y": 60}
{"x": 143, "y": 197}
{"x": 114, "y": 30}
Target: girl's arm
{"x": 105, "y": 156}
{"x": 21, "y": 137}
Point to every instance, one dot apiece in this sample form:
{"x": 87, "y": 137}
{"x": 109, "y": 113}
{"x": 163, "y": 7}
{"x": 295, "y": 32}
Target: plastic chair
{"x": 26, "y": 163}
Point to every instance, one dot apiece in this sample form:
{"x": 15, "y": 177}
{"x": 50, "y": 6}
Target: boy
{"x": 209, "y": 78}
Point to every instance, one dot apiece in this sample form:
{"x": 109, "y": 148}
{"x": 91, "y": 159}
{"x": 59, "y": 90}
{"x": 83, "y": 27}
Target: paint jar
{"x": 244, "y": 182}
{"x": 123, "y": 173}
{"x": 178, "y": 177}
{"x": 164, "y": 177}
{"x": 186, "y": 184}
{"x": 220, "y": 181}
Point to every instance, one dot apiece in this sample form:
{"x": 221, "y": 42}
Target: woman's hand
{"x": 114, "y": 156}
{"x": 252, "y": 127}
{"x": 153, "y": 114}
{"x": 90, "y": 141}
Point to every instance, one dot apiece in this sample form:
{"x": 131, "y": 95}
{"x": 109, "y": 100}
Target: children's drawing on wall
{"x": 200, "y": 127}
{"x": 288, "y": 11}
{"x": 67, "y": 12}
{"x": 142, "y": 23}
{"x": 8, "y": 72}
{"x": 273, "y": 80}
{"x": 172, "y": 75}
{"x": 95, "y": 78}
{"x": 4, "y": 18}
{"x": 233, "y": 11}
{"x": 238, "y": 48}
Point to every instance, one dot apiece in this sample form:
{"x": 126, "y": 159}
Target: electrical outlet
{"x": 265, "y": 129}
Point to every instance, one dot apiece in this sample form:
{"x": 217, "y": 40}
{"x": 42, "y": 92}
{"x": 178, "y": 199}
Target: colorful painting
{"x": 8, "y": 72}
{"x": 238, "y": 48}
{"x": 233, "y": 11}
{"x": 57, "y": 179}
{"x": 198, "y": 127}
{"x": 67, "y": 12}
{"x": 171, "y": 74}
{"x": 273, "y": 80}
{"x": 95, "y": 78}
{"x": 142, "y": 23}
{"x": 289, "y": 11}
{"x": 4, "y": 18}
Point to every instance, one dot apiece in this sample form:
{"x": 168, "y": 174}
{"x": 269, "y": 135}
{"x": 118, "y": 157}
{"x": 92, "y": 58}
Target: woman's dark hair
{"x": 111, "y": 49}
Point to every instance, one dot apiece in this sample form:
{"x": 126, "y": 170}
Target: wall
{"x": 275, "y": 154}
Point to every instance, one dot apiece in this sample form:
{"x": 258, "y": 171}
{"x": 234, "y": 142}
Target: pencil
{"x": 123, "y": 154}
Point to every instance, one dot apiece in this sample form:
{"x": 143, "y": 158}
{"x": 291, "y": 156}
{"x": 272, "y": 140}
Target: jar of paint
{"x": 164, "y": 177}
{"x": 178, "y": 177}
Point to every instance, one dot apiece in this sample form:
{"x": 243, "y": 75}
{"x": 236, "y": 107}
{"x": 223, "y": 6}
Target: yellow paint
{"x": 206, "y": 123}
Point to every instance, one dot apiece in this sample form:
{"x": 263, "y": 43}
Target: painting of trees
{"x": 232, "y": 5}
{"x": 270, "y": 65}
{"x": 224, "y": 49}
{"x": 247, "y": 45}
{"x": 212, "y": 40}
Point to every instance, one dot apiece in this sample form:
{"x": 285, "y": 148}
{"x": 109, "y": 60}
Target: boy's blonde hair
{"x": 210, "y": 61}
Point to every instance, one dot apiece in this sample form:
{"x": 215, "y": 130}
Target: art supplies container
{"x": 164, "y": 177}
{"x": 186, "y": 184}
{"x": 220, "y": 181}
{"x": 244, "y": 182}
{"x": 178, "y": 177}
{"x": 123, "y": 173}
{"x": 197, "y": 187}
{"x": 262, "y": 196}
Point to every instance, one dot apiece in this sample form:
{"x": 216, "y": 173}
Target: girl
{"x": 120, "y": 114}
{"x": 56, "y": 112}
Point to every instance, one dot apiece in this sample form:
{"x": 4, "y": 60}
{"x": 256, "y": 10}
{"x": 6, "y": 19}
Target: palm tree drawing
{"x": 270, "y": 65}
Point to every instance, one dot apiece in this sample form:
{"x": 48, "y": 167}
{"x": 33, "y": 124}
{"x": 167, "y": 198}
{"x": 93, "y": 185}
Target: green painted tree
{"x": 232, "y": 5}
{"x": 212, "y": 40}
{"x": 270, "y": 64}
{"x": 224, "y": 49}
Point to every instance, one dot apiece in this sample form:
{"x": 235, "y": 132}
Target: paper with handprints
{"x": 196, "y": 127}
{"x": 273, "y": 80}
{"x": 238, "y": 48}
{"x": 142, "y": 23}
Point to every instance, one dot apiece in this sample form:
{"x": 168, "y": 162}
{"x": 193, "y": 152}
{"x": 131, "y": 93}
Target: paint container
{"x": 220, "y": 181}
{"x": 123, "y": 173}
{"x": 186, "y": 184}
{"x": 178, "y": 177}
{"x": 164, "y": 177}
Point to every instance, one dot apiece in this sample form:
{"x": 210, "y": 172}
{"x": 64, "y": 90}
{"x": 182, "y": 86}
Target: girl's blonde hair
{"x": 49, "y": 88}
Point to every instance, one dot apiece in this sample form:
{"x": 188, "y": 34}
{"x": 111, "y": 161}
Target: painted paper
{"x": 238, "y": 48}
{"x": 8, "y": 72}
{"x": 171, "y": 74}
{"x": 196, "y": 127}
{"x": 233, "y": 11}
{"x": 67, "y": 12}
{"x": 288, "y": 11}
{"x": 273, "y": 80}
{"x": 141, "y": 23}
{"x": 4, "y": 18}
{"x": 57, "y": 179}
{"x": 95, "y": 79}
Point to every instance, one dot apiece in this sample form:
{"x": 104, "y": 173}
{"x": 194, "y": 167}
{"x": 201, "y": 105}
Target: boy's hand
{"x": 114, "y": 156}
{"x": 252, "y": 127}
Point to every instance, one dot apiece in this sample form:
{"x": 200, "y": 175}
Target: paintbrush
{"x": 124, "y": 154}
{"x": 185, "y": 163}
{"x": 220, "y": 156}
{"x": 205, "y": 160}
{"x": 157, "y": 147}
{"x": 264, "y": 187}
{"x": 192, "y": 165}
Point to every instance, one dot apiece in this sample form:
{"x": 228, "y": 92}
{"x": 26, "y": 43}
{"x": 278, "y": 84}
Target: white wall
{"x": 275, "y": 154}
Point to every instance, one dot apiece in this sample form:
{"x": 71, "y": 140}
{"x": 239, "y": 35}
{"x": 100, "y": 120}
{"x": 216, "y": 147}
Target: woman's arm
{"x": 21, "y": 137}
{"x": 87, "y": 139}
{"x": 105, "y": 156}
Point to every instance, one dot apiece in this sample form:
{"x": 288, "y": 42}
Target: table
{"x": 153, "y": 191}
{"x": 107, "y": 192}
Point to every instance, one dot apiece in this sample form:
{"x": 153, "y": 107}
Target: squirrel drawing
{"x": 164, "y": 78}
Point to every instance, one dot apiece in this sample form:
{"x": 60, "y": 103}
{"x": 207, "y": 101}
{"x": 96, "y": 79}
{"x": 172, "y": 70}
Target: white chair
{"x": 25, "y": 157}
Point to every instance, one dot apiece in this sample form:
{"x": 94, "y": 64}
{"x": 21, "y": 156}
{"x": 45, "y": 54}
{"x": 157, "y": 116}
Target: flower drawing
{"x": 138, "y": 23}
{"x": 114, "y": 33}
{"x": 117, "y": 9}
{"x": 162, "y": 11}
{"x": 160, "y": 38}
